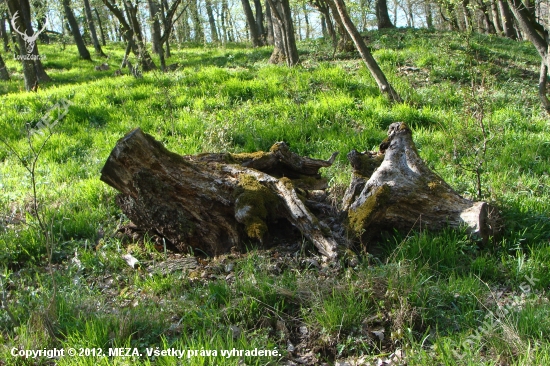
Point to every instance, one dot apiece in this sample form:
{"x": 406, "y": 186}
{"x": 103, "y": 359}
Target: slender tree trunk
{"x": 4, "y": 34}
{"x": 283, "y": 33}
{"x": 324, "y": 9}
{"x": 212, "y": 22}
{"x": 260, "y": 20}
{"x": 382, "y": 16}
{"x": 197, "y": 25}
{"x": 165, "y": 8}
{"x": 370, "y": 62}
{"x": 507, "y": 20}
{"x": 254, "y": 36}
{"x": 100, "y": 23}
{"x": 429, "y": 15}
{"x": 306, "y": 20}
{"x": 490, "y": 27}
{"x": 496, "y": 18}
{"x": 29, "y": 72}
{"x": 145, "y": 59}
{"x": 91, "y": 26}
{"x": 4, "y": 75}
{"x": 82, "y": 50}
{"x": 155, "y": 28}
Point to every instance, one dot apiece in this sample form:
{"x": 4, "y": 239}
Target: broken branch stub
{"x": 394, "y": 189}
{"x": 213, "y": 202}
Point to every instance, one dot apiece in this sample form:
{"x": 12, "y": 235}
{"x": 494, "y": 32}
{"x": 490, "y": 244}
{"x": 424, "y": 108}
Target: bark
{"x": 260, "y": 20}
{"x": 216, "y": 202}
{"x": 212, "y": 21}
{"x": 324, "y": 9}
{"x": 197, "y": 25}
{"x": 345, "y": 43}
{"x": 82, "y": 50}
{"x": 393, "y": 189}
{"x": 429, "y": 15}
{"x": 4, "y": 34}
{"x": 254, "y": 35}
{"x": 285, "y": 49}
{"x": 382, "y": 15}
{"x": 489, "y": 26}
{"x": 269, "y": 21}
{"x": 155, "y": 28}
{"x": 131, "y": 32}
{"x": 507, "y": 20}
{"x": 496, "y": 18}
{"x": 366, "y": 55}
{"x": 213, "y": 202}
{"x": 29, "y": 71}
{"x": 306, "y": 20}
{"x": 100, "y": 23}
{"x": 4, "y": 75}
{"x": 91, "y": 27}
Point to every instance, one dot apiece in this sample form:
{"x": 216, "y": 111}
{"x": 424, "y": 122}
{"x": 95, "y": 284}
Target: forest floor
{"x": 423, "y": 298}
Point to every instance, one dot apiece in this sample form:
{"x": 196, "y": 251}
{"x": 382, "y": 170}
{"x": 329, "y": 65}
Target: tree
{"x": 382, "y": 16}
{"x": 82, "y": 50}
{"x": 131, "y": 32}
{"x": 212, "y": 21}
{"x": 252, "y": 27}
{"x": 29, "y": 72}
{"x": 3, "y": 70}
{"x": 285, "y": 49}
{"x": 4, "y": 34}
{"x": 538, "y": 34}
{"x": 91, "y": 26}
{"x": 366, "y": 55}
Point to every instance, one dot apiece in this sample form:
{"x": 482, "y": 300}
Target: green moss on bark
{"x": 360, "y": 218}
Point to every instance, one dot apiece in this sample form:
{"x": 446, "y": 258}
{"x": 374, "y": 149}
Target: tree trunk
{"x": 324, "y": 9}
{"x": 306, "y": 20}
{"x": 370, "y": 62}
{"x": 269, "y": 21}
{"x": 283, "y": 34}
{"x": 382, "y": 15}
{"x": 100, "y": 23}
{"x": 507, "y": 20}
{"x": 345, "y": 43}
{"x": 82, "y": 50}
{"x": 429, "y": 15}
{"x": 91, "y": 26}
{"x": 197, "y": 25}
{"x": 213, "y": 202}
{"x": 29, "y": 72}
{"x": 496, "y": 18}
{"x": 489, "y": 26}
{"x": 393, "y": 189}
{"x": 155, "y": 28}
{"x": 4, "y": 75}
{"x": 260, "y": 20}
{"x": 212, "y": 21}
{"x": 254, "y": 36}
{"x": 4, "y": 34}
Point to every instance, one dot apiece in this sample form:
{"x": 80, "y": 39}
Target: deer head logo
{"x": 30, "y": 41}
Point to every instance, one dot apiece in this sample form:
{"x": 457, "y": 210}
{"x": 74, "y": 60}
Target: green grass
{"x": 429, "y": 293}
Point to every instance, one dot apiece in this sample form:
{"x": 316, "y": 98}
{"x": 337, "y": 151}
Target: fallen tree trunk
{"x": 394, "y": 189}
{"x": 215, "y": 202}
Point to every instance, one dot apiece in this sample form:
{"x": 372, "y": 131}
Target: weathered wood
{"x": 394, "y": 189}
{"x": 212, "y": 202}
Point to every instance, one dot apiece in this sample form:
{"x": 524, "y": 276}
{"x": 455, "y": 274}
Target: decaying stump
{"x": 394, "y": 189}
{"x": 214, "y": 202}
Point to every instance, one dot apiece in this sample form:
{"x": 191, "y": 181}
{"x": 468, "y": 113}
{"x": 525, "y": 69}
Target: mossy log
{"x": 215, "y": 202}
{"x": 394, "y": 189}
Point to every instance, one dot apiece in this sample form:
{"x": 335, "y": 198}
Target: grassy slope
{"x": 429, "y": 292}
